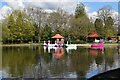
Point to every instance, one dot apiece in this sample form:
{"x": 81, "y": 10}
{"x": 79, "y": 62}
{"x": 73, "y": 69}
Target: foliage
{"x": 5, "y": 31}
{"x": 35, "y": 24}
{"x": 81, "y": 25}
{"x": 47, "y": 33}
{"x": 38, "y": 16}
{"x": 18, "y": 28}
{"x": 99, "y": 27}
{"x": 105, "y": 14}
{"x": 80, "y": 10}
{"x": 109, "y": 28}
{"x": 60, "y": 22}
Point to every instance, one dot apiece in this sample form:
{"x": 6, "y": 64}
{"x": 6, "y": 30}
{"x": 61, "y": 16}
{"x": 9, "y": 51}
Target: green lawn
{"x": 37, "y": 44}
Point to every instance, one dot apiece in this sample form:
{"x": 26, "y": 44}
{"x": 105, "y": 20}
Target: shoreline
{"x": 15, "y": 45}
{"x": 37, "y": 44}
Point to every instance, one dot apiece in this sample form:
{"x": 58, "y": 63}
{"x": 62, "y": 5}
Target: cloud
{"x": 42, "y": 0}
{"x": 52, "y": 5}
{"x": 15, "y": 4}
{"x": 68, "y": 5}
{"x": 93, "y": 15}
{"x": 65, "y": 0}
{"x": 87, "y": 8}
{"x": 115, "y": 14}
{"x": 49, "y": 11}
{"x": 47, "y": 6}
{"x": 4, "y": 11}
{"x": 18, "y": 4}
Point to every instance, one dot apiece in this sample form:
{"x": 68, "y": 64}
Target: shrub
{"x": 79, "y": 42}
{"x": 30, "y": 42}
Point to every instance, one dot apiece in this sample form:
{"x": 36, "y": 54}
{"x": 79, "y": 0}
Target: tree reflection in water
{"x": 33, "y": 62}
{"x": 59, "y": 53}
{"x": 18, "y": 61}
{"x": 109, "y": 57}
{"x": 98, "y": 55}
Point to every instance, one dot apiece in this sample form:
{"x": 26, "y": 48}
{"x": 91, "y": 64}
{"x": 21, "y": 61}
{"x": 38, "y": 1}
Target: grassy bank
{"x": 34, "y": 44}
{"x": 37, "y": 44}
{"x": 111, "y": 44}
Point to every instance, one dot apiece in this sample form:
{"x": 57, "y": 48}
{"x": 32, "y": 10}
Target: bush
{"x": 83, "y": 42}
{"x": 79, "y": 42}
{"x": 30, "y": 42}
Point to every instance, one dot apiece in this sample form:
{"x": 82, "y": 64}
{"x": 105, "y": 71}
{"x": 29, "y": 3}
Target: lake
{"x": 39, "y": 62}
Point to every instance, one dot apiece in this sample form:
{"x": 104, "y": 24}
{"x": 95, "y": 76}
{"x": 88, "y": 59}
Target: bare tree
{"x": 39, "y": 16}
{"x": 105, "y": 12}
{"x": 59, "y": 21}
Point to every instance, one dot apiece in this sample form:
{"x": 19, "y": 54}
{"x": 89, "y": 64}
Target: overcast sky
{"x": 91, "y": 6}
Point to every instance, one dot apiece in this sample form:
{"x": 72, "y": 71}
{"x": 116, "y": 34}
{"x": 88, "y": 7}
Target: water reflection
{"x": 40, "y": 62}
{"x": 55, "y": 48}
{"x": 94, "y": 52}
{"x": 59, "y": 53}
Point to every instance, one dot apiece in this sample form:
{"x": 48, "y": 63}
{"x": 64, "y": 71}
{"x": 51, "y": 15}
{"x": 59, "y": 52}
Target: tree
{"x": 54, "y": 21}
{"x": 109, "y": 28}
{"x": 10, "y": 26}
{"x": 59, "y": 22}
{"x": 18, "y": 27}
{"x": 80, "y": 10}
{"x": 104, "y": 12}
{"x": 47, "y": 33}
{"x": 5, "y": 31}
{"x": 25, "y": 26}
{"x": 90, "y": 28}
{"x": 81, "y": 25}
{"x": 99, "y": 27}
{"x": 39, "y": 17}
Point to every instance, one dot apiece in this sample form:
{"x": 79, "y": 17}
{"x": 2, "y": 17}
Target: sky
{"x": 3, "y": 4}
{"x": 95, "y": 6}
{"x": 92, "y": 6}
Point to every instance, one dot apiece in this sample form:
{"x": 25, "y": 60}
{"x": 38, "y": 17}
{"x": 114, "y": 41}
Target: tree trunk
{"x": 12, "y": 41}
{"x": 39, "y": 39}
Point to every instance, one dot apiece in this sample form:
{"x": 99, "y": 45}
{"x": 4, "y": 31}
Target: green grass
{"x": 38, "y": 44}
{"x": 26, "y": 44}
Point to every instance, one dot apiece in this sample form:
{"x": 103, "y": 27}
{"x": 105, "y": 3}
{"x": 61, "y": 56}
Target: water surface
{"x": 38, "y": 62}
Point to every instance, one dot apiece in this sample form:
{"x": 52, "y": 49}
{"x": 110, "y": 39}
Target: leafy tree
{"x": 99, "y": 27}
{"x": 90, "y": 28}
{"x": 47, "y": 33}
{"x": 81, "y": 25}
{"x": 24, "y": 29}
{"x": 105, "y": 14}
{"x": 5, "y": 31}
{"x": 10, "y": 26}
{"x": 80, "y": 10}
{"x": 109, "y": 28}
{"x": 18, "y": 27}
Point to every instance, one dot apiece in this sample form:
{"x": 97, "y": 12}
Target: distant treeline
{"x": 34, "y": 24}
